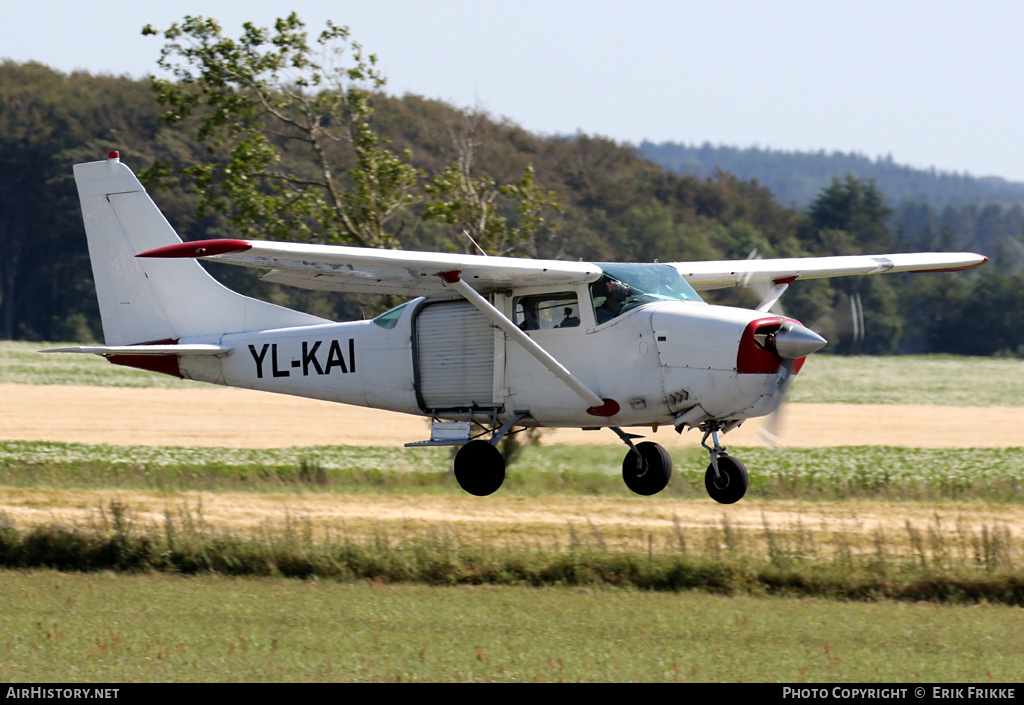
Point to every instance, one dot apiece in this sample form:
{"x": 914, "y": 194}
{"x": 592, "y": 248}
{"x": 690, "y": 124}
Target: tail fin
{"x": 147, "y": 300}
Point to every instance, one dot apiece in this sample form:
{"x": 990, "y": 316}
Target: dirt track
{"x": 247, "y": 419}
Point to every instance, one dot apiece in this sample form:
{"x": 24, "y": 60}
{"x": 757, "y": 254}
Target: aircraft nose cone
{"x": 795, "y": 341}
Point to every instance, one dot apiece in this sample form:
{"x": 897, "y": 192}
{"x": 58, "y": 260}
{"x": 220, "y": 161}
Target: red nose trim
{"x": 752, "y": 359}
{"x": 199, "y": 248}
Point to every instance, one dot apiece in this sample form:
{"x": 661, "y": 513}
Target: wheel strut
{"x": 711, "y": 428}
{"x": 627, "y": 438}
{"x": 726, "y": 477}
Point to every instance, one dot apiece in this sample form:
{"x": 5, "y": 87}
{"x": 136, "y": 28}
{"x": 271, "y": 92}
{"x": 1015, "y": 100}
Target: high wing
{"x": 368, "y": 270}
{"x": 725, "y": 273}
{"x": 408, "y": 273}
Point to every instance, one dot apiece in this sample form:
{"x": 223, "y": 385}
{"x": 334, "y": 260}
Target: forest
{"x": 796, "y": 177}
{"x": 577, "y": 197}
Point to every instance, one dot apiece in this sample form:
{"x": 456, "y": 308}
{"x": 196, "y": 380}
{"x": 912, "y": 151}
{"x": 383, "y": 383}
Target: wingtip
{"x": 973, "y": 264}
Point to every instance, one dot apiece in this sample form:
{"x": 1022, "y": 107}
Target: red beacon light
{"x": 113, "y": 155}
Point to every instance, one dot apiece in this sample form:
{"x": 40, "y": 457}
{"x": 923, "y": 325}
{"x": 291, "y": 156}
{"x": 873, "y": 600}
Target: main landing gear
{"x": 479, "y": 466}
{"x": 647, "y": 467}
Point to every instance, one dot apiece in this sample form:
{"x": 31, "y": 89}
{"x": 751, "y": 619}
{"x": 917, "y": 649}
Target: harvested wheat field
{"x": 241, "y": 418}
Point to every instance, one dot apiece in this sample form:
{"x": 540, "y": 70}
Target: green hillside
{"x": 612, "y": 205}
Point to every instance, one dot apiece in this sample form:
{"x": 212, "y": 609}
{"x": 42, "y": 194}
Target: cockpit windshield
{"x": 626, "y": 286}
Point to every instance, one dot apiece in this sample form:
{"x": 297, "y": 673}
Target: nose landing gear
{"x": 726, "y": 477}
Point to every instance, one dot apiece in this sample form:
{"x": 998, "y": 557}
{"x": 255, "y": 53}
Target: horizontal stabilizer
{"x": 189, "y": 349}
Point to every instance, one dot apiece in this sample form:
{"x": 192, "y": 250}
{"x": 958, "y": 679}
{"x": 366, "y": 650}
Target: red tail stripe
{"x": 199, "y": 248}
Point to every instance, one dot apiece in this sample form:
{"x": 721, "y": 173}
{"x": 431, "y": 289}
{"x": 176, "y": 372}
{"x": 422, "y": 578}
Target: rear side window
{"x": 389, "y": 319}
{"x": 547, "y": 311}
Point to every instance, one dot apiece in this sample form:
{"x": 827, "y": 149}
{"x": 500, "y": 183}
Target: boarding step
{"x": 446, "y": 433}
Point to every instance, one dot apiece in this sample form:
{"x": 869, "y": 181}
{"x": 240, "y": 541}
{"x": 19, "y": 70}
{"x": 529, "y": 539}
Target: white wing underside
{"x": 724, "y": 273}
{"x": 408, "y": 273}
{"x": 405, "y": 273}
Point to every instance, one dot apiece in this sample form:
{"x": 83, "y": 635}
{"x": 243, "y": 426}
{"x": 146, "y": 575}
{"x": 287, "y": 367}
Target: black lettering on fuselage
{"x": 273, "y": 363}
{"x": 335, "y": 358}
{"x": 308, "y": 362}
{"x": 309, "y": 357}
{"x": 259, "y": 357}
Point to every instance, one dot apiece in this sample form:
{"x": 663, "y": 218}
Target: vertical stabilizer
{"x": 146, "y": 300}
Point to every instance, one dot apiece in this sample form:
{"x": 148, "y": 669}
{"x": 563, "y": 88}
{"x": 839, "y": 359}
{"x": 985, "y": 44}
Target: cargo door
{"x": 454, "y": 355}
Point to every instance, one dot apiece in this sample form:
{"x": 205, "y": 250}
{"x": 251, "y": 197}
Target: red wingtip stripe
{"x": 199, "y": 248}
{"x": 960, "y": 268}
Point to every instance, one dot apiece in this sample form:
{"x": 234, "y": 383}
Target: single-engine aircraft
{"x": 488, "y": 345}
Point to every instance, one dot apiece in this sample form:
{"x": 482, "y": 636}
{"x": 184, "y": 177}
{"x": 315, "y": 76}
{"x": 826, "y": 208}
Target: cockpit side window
{"x": 623, "y": 287}
{"x": 546, "y": 311}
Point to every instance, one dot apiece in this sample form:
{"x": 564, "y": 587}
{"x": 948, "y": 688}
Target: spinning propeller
{"x": 844, "y": 321}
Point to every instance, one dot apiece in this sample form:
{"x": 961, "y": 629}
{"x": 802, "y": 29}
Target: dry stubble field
{"x": 241, "y": 418}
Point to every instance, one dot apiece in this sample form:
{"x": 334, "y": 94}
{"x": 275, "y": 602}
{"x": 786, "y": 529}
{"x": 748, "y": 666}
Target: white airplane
{"x": 490, "y": 344}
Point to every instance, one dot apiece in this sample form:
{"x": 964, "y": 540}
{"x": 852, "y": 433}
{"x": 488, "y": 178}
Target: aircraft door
{"x": 454, "y": 356}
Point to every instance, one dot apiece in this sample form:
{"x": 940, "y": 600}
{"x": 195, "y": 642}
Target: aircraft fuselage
{"x": 440, "y": 357}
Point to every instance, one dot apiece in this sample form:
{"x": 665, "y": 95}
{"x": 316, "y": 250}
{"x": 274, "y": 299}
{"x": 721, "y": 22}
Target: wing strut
{"x": 772, "y": 297}
{"x": 598, "y": 406}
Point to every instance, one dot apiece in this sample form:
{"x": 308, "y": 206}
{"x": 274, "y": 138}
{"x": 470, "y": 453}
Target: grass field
{"x": 82, "y": 628}
{"x": 624, "y": 590}
{"x": 913, "y": 379}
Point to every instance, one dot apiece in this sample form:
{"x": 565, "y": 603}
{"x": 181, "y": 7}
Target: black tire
{"x": 731, "y": 484}
{"x": 654, "y": 472}
{"x": 479, "y": 468}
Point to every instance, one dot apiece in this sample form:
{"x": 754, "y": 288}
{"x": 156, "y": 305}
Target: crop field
{"x": 302, "y": 560}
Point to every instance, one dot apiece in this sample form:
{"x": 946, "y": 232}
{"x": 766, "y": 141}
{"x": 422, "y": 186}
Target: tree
{"x": 473, "y": 202}
{"x": 978, "y": 314}
{"x": 251, "y": 98}
{"x": 850, "y": 217}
